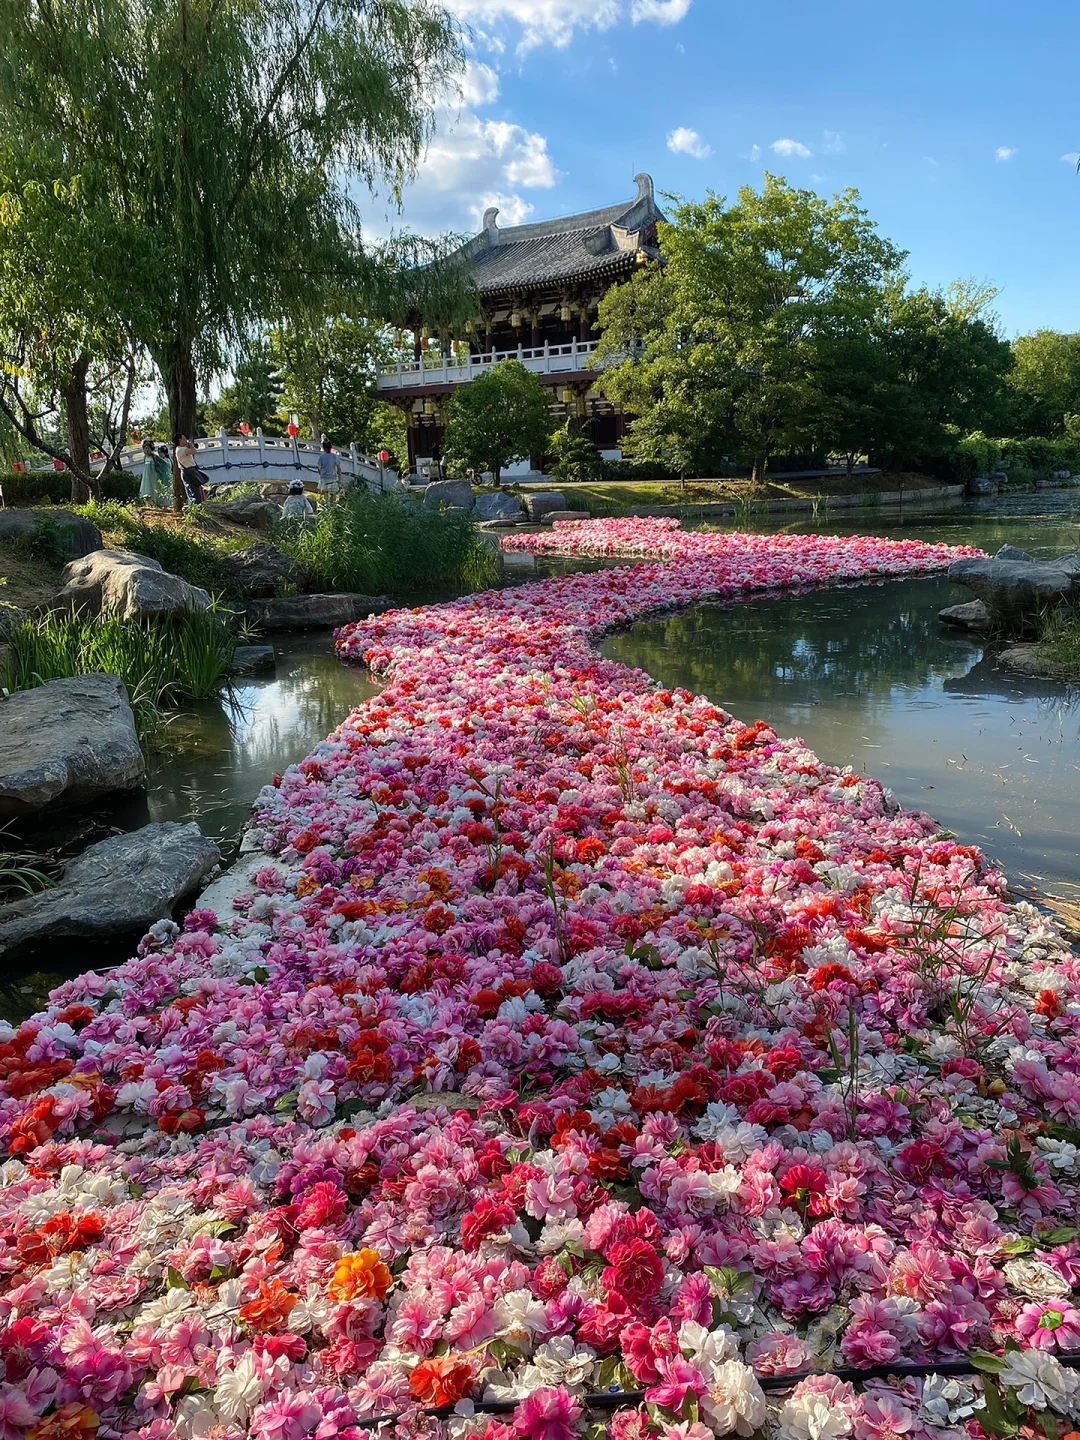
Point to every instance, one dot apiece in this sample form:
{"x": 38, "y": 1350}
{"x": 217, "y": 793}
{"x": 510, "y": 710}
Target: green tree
{"x": 67, "y": 357}
{"x": 499, "y": 417}
{"x": 253, "y": 396}
{"x": 224, "y": 138}
{"x": 576, "y": 457}
{"x": 724, "y": 345}
{"x": 1045, "y": 382}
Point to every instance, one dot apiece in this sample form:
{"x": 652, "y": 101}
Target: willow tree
{"x": 229, "y": 140}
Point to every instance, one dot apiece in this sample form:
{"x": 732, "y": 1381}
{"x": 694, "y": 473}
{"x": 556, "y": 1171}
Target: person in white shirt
{"x": 297, "y": 506}
{"x": 329, "y": 470}
{"x": 190, "y": 474}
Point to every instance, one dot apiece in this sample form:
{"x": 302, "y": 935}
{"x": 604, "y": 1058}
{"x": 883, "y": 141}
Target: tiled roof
{"x": 551, "y": 252}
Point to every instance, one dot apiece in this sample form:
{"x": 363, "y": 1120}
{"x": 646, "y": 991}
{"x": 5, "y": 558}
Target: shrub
{"x": 374, "y": 544}
{"x": 162, "y": 661}
{"x": 198, "y": 559}
{"x": 53, "y": 487}
{"x": 577, "y": 458}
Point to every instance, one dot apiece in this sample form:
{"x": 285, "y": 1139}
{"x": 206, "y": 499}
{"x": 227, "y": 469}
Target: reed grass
{"x": 163, "y": 661}
{"x": 380, "y": 544}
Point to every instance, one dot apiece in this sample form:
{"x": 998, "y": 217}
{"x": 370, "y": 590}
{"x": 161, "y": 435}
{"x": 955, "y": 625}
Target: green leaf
{"x": 1020, "y": 1245}
{"x": 174, "y": 1280}
{"x": 286, "y": 1104}
{"x": 993, "y": 1416}
{"x": 1048, "y": 1423}
{"x": 1060, "y": 1235}
{"x": 217, "y": 1228}
{"x": 984, "y": 1361}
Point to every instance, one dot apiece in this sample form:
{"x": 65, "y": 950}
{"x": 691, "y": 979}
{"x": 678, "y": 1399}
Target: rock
{"x": 1069, "y": 563}
{"x": 126, "y": 585}
{"x": 253, "y": 659}
{"x": 541, "y": 502}
{"x": 972, "y": 615}
{"x": 499, "y": 524}
{"x": 117, "y": 887}
{"x": 54, "y": 533}
{"x": 1010, "y": 552}
{"x": 262, "y": 571}
{"x": 1013, "y": 590}
{"x": 1062, "y": 475}
{"x": 1026, "y": 660}
{"x": 981, "y": 485}
{"x": 441, "y": 493}
{"x": 238, "y": 880}
{"x": 10, "y": 617}
{"x": 272, "y": 488}
{"x": 257, "y": 514}
{"x": 311, "y": 612}
{"x": 999, "y": 477}
{"x": 553, "y": 515}
{"x": 68, "y": 741}
{"x": 498, "y": 505}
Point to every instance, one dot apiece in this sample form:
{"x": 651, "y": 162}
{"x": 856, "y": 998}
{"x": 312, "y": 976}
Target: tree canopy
{"x": 224, "y": 140}
{"x": 499, "y": 417}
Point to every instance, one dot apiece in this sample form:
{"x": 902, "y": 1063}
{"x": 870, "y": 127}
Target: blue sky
{"x": 951, "y": 119}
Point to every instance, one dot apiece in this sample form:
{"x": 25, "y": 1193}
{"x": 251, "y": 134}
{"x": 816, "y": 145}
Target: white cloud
{"x": 754, "y": 153}
{"x": 833, "y": 143}
{"x": 1004, "y": 152}
{"x": 682, "y": 141}
{"x": 931, "y": 161}
{"x": 660, "y": 12}
{"x": 554, "y": 22}
{"x": 789, "y": 148}
{"x": 473, "y": 162}
{"x": 1072, "y": 158}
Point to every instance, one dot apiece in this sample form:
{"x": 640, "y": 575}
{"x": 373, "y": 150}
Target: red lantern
{"x": 58, "y": 465}
{"x": 383, "y": 456}
{"x": 294, "y": 430}
{"x": 18, "y": 467}
{"x": 244, "y": 428}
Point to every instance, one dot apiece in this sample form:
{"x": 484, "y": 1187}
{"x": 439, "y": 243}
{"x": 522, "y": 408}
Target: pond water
{"x": 866, "y": 675}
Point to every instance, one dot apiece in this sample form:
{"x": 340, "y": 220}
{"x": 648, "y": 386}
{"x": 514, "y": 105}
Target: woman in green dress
{"x": 155, "y": 475}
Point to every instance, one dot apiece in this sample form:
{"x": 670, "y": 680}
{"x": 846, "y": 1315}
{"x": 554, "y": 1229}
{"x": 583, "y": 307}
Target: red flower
{"x": 442, "y": 1380}
{"x": 806, "y": 1186}
{"x": 634, "y": 1271}
{"x": 487, "y": 1217}
{"x": 825, "y": 975}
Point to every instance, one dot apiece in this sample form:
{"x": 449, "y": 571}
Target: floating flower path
{"x": 762, "y": 1103}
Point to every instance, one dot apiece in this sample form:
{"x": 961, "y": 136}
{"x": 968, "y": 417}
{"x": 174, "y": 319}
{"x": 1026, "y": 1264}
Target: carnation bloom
{"x": 442, "y": 1380}
{"x": 361, "y": 1273}
{"x": 547, "y": 1414}
{"x": 1049, "y": 1325}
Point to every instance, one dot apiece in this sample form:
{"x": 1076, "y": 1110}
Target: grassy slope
{"x": 628, "y": 493}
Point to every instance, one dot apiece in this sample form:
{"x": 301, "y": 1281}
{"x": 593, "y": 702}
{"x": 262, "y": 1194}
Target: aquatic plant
{"x": 162, "y": 661}
{"x": 761, "y": 1104}
{"x": 383, "y": 544}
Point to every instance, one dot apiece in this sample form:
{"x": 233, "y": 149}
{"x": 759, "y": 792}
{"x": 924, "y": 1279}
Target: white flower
{"x": 1041, "y": 1381}
{"x": 520, "y": 1318}
{"x": 717, "y": 1117}
{"x": 738, "y": 1142}
{"x": 734, "y": 1399}
{"x": 238, "y": 1391}
{"x": 707, "y": 1348}
{"x": 560, "y": 1362}
{"x": 1059, "y": 1154}
{"x": 136, "y": 1095}
{"x": 945, "y": 1400}
{"x": 1034, "y": 1278}
{"x": 812, "y": 1417}
{"x": 557, "y": 1234}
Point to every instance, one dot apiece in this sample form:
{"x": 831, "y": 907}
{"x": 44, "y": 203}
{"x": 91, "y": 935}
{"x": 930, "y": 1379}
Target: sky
{"x": 958, "y": 123}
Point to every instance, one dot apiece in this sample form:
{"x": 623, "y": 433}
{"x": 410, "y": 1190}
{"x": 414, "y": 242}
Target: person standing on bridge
{"x": 329, "y": 471}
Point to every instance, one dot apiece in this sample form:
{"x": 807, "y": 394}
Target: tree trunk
{"x": 77, "y": 419}
{"x": 496, "y": 474}
{"x": 757, "y": 474}
{"x": 178, "y": 376}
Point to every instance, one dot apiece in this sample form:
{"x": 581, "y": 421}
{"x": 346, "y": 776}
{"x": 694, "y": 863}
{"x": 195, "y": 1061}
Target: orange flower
{"x": 442, "y": 1380}
{"x": 270, "y": 1308}
{"x": 361, "y": 1274}
{"x": 72, "y": 1421}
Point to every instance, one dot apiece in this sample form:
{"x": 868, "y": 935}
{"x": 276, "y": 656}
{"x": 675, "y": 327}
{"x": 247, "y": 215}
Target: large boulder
{"x": 262, "y": 571}
{"x": 972, "y": 615}
{"x": 253, "y": 659}
{"x": 553, "y": 515}
{"x": 1013, "y": 552}
{"x": 1014, "y": 590}
{"x": 118, "y": 887}
{"x": 125, "y": 585}
{"x": 314, "y": 612}
{"x": 67, "y": 742}
{"x": 441, "y": 494}
{"x": 982, "y": 485}
{"x": 256, "y": 514}
{"x": 542, "y": 502}
{"x": 498, "y": 505}
{"x": 54, "y": 534}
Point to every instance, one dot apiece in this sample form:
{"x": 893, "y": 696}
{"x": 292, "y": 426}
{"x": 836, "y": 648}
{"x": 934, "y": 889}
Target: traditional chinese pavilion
{"x": 539, "y": 287}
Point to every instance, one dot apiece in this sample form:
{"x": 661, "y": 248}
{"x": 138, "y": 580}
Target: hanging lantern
{"x": 425, "y": 335}
{"x": 468, "y": 327}
{"x": 515, "y": 319}
{"x": 429, "y": 407}
{"x": 564, "y": 311}
{"x": 567, "y": 397}
{"x": 293, "y": 429}
{"x": 244, "y": 428}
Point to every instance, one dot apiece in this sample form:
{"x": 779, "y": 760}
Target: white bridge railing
{"x": 234, "y": 458}
{"x": 440, "y": 369}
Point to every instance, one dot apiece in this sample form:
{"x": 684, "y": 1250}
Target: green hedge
{"x": 53, "y": 487}
{"x": 1024, "y": 461}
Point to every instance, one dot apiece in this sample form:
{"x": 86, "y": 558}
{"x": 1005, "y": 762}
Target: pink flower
{"x": 1049, "y": 1325}
{"x": 882, "y": 1416}
{"x": 547, "y": 1414}
{"x": 289, "y": 1417}
{"x": 16, "y": 1416}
